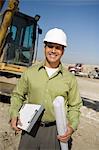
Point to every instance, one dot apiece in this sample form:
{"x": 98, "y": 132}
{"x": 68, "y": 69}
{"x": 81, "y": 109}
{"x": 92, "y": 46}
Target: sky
{"x": 78, "y": 18}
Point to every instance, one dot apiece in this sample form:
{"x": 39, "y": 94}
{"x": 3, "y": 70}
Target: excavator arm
{"x": 6, "y": 20}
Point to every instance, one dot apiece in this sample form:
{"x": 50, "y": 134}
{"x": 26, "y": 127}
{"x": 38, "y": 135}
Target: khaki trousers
{"x": 40, "y": 138}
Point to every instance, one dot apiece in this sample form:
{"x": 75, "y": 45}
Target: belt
{"x": 47, "y": 124}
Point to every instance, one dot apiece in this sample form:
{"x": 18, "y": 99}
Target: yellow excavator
{"x": 19, "y": 34}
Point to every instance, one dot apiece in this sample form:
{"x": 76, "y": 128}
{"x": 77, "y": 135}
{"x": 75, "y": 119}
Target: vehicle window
{"x": 13, "y": 30}
{"x": 28, "y": 37}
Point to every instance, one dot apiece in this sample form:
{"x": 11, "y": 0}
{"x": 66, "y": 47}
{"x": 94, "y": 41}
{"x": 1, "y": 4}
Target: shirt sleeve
{"x": 18, "y": 96}
{"x": 74, "y": 104}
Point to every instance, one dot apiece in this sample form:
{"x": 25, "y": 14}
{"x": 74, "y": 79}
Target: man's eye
{"x": 50, "y": 46}
{"x": 57, "y": 47}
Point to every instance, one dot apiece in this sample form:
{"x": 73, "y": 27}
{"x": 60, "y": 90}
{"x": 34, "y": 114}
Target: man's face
{"x": 53, "y": 53}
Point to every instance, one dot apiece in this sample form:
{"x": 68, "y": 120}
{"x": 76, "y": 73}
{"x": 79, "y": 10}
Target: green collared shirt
{"x": 38, "y": 88}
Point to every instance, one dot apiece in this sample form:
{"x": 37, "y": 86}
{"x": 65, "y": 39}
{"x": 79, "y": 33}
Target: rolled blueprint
{"x": 60, "y": 115}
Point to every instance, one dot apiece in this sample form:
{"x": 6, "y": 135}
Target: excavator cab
{"x": 19, "y": 50}
{"x": 21, "y": 39}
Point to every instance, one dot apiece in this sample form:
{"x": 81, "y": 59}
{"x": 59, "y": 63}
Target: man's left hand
{"x": 64, "y": 138}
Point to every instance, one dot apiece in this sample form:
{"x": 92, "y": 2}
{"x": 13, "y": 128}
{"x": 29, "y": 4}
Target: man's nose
{"x": 53, "y": 49}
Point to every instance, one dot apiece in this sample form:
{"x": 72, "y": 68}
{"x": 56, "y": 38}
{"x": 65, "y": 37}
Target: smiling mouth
{"x": 52, "y": 55}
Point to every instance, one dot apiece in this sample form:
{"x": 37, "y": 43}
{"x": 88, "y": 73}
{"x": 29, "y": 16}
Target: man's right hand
{"x": 14, "y": 122}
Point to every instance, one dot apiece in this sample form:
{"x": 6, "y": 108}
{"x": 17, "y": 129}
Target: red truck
{"x": 75, "y": 69}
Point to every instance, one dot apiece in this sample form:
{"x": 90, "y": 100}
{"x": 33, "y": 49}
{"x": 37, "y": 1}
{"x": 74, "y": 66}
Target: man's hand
{"x": 14, "y": 122}
{"x": 64, "y": 138}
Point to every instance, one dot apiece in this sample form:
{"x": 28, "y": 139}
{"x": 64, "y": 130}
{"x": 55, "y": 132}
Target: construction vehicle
{"x": 19, "y": 34}
{"x": 94, "y": 74}
{"x": 75, "y": 69}
{"x": 78, "y": 70}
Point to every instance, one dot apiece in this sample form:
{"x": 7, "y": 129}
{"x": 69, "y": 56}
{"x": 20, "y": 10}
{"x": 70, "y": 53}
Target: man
{"x": 42, "y": 83}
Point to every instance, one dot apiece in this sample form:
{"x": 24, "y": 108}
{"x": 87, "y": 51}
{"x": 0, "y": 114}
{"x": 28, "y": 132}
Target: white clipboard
{"x": 29, "y": 114}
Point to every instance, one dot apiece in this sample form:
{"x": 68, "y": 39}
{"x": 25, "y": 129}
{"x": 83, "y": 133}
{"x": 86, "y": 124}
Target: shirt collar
{"x": 42, "y": 65}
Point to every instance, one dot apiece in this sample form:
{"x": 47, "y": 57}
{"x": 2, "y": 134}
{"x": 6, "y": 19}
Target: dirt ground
{"x": 87, "y": 135}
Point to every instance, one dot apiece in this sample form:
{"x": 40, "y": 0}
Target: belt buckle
{"x": 43, "y": 124}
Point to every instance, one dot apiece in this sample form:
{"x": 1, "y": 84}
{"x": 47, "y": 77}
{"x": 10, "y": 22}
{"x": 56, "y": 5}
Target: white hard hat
{"x": 56, "y": 36}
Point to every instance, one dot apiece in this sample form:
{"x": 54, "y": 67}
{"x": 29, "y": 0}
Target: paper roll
{"x": 60, "y": 115}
